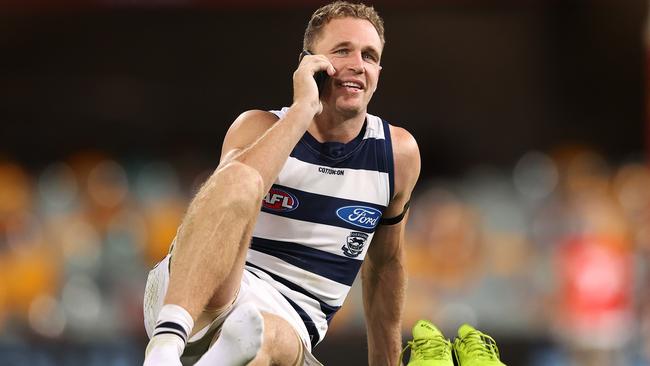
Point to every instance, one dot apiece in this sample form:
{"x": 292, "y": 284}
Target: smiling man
{"x": 251, "y": 285}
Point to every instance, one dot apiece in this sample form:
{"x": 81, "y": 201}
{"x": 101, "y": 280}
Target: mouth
{"x": 351, "y": 86}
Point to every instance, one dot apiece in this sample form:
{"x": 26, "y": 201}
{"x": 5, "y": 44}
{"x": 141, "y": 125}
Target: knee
{"x": 243, "y": 185}
{"x": 281, "y": 342}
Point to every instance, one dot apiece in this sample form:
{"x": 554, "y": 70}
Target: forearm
{"x": 270, "y": 151}
{"x": 383, "y": 294}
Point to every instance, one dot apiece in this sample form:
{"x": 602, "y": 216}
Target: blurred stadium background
{"x": 531, "y": 219}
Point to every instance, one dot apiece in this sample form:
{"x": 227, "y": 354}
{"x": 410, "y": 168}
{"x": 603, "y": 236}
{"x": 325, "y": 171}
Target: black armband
{"x": 397, "y": 219}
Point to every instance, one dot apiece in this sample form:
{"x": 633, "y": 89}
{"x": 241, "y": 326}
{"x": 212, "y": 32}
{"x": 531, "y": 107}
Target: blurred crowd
{"x": 555, "y": 248}
{"x": 77, "y": 238}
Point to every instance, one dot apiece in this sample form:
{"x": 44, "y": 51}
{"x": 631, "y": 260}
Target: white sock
{"x": 163, "y": 350}
{"x": 240, "y": 339}
{"x": 169, "y": 336}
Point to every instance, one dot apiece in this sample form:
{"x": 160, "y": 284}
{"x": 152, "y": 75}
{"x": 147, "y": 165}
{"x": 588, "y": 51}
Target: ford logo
{"x": 362, "y": 216}
{"x": 280, "y": 200}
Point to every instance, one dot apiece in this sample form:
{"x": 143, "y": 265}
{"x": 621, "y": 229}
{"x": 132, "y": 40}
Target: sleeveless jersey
{"x": 318, "y": 219}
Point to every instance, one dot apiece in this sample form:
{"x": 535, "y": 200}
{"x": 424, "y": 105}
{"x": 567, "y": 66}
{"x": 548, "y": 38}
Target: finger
{"x": 325, "y": 65}
{"x": 319, "y": 62}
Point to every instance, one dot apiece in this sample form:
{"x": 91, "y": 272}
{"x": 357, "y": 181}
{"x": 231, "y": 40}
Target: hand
{"x": 305, "y": 90}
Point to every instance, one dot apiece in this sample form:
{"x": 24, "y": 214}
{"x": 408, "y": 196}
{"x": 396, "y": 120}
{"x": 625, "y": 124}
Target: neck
{"x": 330, "y": 127}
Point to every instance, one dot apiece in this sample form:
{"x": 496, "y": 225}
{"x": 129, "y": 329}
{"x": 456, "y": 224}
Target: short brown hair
{"x": 340, "y": 9}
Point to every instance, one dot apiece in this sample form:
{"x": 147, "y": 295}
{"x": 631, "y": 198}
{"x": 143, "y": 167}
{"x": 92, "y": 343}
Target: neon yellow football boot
{"x": 473, "y": 348}
{"x": 428, "y": 347}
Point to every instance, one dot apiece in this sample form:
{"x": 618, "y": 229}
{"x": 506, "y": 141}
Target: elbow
{"x": 393, "y": 268}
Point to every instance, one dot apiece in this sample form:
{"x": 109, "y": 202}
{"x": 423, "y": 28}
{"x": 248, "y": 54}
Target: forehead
{"x": 358, "y": 32}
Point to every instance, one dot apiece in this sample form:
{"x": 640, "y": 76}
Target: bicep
{"x": 406, "y": 157}
{"x": 387, "y": 245}
{"x": 388, "y": 241}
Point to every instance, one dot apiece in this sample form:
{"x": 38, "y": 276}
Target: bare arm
{"x": 383, "y": 272}
{"x": 259, "y": 140}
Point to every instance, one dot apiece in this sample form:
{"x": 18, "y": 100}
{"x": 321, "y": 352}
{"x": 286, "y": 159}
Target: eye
{"x": 342, "y": 52}
{"x": 369, "y": 57}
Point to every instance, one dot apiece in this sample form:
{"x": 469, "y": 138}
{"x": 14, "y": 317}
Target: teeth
{"x": 351, "y": 85}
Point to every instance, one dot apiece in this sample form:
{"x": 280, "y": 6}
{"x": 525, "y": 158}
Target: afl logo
{"x": 362, "y": 216}
{"x": 280, "y": 200}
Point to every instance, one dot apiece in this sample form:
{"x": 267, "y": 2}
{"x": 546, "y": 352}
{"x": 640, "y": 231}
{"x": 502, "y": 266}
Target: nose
{"x": 356, "y": 63}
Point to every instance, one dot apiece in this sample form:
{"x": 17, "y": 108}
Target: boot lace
{"x": 480, "y": 346}
{"x": 437, "y": 348}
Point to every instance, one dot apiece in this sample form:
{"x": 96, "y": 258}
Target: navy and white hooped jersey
{"x": 318, "y": 219}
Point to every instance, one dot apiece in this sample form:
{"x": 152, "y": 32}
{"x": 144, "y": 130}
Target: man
{"x": 251, "y": 287}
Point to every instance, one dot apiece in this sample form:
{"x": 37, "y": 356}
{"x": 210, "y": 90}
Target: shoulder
{"x": 250, "y": 125}
{"x": 404, "y": 144}
{"x": 255, "y": 119}
{"x": 246, "y": 129}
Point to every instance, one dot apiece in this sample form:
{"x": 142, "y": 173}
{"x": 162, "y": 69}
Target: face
{"x": 354, "y": 48}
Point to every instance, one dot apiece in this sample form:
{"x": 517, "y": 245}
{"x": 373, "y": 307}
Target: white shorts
{"x": 252, "y": 290}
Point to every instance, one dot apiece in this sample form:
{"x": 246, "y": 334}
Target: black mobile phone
{"x": 320, "y": 76}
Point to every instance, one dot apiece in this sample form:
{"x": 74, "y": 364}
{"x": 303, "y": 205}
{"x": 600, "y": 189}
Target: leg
{"x": 254, "y": 338}
{"x": 281, "y": 344}
{"x": 208, "y": 256}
